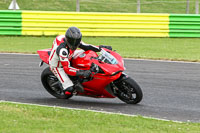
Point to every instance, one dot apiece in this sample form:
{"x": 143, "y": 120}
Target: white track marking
{"x": 96, "y": 111}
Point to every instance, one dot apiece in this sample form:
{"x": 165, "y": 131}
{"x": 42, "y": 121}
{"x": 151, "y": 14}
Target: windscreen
{"x": 107, "y": 57}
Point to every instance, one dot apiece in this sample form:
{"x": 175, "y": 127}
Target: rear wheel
{"x": 52, "y": 84}
{"x": 129, "y": 91}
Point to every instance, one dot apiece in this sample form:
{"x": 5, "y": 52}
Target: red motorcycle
{"x": 107, "y": 80}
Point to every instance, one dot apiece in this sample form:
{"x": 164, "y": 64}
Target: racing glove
{"x": 84, "y": 73}
{"x": 107, "y": 47}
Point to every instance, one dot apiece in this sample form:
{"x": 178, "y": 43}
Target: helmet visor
{"x": 73, "y": 43}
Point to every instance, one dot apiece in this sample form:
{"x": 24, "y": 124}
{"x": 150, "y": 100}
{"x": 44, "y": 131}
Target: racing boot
{"x": 69, "y": 90}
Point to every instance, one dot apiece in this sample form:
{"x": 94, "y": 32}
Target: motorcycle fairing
{"x": 44, "y": 55}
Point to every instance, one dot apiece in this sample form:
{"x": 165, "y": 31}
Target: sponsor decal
{"x": 72, "y": 70}
{"x": 80, "y": 64}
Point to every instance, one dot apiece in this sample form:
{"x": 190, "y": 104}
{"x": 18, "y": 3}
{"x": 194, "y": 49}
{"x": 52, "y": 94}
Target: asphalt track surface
{"x": 171, "y": 89}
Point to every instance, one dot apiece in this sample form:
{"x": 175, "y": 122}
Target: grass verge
{"x": 184, "y": 49}
{"x": 147, "y": 6}
{"x": 20, "y": 118}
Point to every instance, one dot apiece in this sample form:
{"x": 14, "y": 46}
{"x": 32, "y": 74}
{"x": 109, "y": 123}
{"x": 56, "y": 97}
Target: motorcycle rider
{"x": 63, "y": 49}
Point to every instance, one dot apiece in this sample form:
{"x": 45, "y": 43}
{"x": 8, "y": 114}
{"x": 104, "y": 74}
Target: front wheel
{"x": 52, "y": 84}
{"x": 129, "y": 91}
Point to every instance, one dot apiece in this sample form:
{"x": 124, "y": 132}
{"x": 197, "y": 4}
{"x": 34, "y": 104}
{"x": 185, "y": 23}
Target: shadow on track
{"x": 91, "y": 104}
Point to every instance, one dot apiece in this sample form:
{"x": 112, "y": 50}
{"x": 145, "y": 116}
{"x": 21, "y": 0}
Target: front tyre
{"x": 52, "y": 84}
{"x": 129, "y": 91}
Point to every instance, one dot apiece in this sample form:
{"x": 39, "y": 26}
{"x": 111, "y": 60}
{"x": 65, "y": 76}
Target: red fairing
{"x": 97, "y": 86}
{"x": 44, "y": 55}
{"x": 83, "y": 60}
{"x": 110, "y": 69}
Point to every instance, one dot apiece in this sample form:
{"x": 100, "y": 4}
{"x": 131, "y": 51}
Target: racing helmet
{"x": 73, "y": 37}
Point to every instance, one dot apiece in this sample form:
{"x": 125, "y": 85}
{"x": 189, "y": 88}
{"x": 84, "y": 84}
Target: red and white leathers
{"x": 60, "y": 58}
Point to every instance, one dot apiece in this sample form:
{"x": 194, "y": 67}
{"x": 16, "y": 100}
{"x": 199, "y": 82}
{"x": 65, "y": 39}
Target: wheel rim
{"x": 127, "y": 92}
{"x": 54, "y": 84}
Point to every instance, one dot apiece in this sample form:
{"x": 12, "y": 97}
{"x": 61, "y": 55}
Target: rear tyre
{"x": 129, "y": 91}
{"x": 52, "y": 84}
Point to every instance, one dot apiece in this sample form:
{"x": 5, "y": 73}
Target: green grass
{"x": 186, "y": 49}
{"x": 19, "y": 118}
{"x": 147, "y": 6}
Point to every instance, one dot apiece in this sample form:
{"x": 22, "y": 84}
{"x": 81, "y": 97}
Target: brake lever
{"x": 100, "y": 61}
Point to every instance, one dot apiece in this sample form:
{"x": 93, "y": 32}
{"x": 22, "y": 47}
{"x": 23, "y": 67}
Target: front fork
{"x": 122, "y": 77}
{"x": 114, "y": 85}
